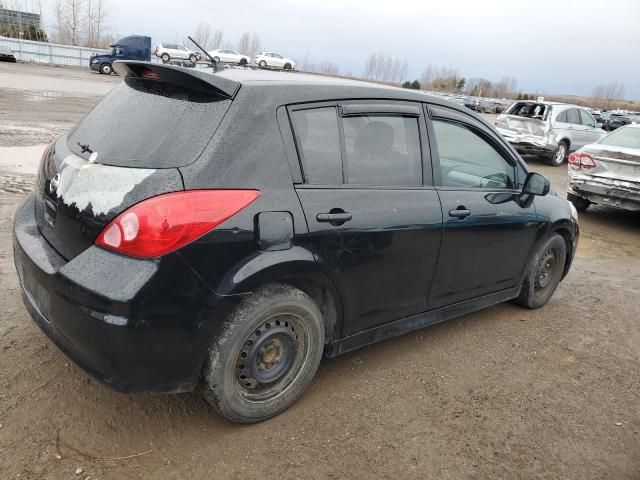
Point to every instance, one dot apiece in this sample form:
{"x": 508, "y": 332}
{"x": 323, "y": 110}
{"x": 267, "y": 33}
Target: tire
{"x": 106, "y": 68}
{"x": 165, "y": 58}
{"x": 265, "y": 355}
{"x": 560, "y": 154}
{"x": 193, "y": 58}
{"x": 216, "y": 59}
{"x": 243, "y": 61}
{"x": 544, "y": 273}
{"x": 262, "y": 64}
{"x": 287, "y": 66}
{"x": 580, "y": 203}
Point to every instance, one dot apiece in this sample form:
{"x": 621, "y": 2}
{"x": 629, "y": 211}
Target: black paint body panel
{"x": 399, "y": 263}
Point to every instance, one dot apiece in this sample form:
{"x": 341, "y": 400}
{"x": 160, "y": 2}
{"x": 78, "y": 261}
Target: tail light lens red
{"x": 163, "y": 224}
{"x": 582, "y": 160}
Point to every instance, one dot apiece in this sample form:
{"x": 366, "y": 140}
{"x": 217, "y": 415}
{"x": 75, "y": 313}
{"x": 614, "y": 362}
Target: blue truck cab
{"x": 135, "y": 47}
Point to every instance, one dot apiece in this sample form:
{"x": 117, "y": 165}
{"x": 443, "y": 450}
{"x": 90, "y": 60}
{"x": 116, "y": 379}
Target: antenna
{"x": 214, "y": 63}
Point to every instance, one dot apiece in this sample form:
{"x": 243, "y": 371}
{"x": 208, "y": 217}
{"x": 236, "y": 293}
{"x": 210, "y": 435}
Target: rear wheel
{"x": 165, "y": 58}
{"x": 265, "y": 355}
{"x": 544, "y": 274}
{"x": 580, "y": 203}
{"x": 287, "y": 66}
{"x": 193, "y": 58}
{"x": 216, "y": 59}
{"x": 243, "y": 61}
{"x": 262, "y": 63}
{"x": 106, "y": 69}
{"x": 559, "y": 157}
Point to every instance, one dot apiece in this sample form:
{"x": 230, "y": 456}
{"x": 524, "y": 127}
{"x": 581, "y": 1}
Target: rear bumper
{"x": 136, "y": 325}
{"x": 605, "y": 191}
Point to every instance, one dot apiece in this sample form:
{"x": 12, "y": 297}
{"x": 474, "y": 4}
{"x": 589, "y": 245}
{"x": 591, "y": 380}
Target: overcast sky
{"x": 552, "y": 46}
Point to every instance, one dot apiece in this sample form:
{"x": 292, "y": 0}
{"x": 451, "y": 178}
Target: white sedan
{"x": 274, "y": 60}
{"x": 225, "y": 55}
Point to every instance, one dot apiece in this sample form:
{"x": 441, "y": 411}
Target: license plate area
{"x": 35, "y": 292}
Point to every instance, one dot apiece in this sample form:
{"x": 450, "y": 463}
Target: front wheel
{"x": 165, "y": 58}
{"x": 287, "y": 66}
{"x": 544, "y": 273}
{"x": 265, "y": 355}
{"x": 262, "y": 64}
{"x": 193, "y": 58}
{"x": 106, "y": 69}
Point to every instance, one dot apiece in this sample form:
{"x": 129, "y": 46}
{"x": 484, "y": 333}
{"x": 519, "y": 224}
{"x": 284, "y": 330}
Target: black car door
{"x": 488, "y": 236}
{"x": 373, "y": 214}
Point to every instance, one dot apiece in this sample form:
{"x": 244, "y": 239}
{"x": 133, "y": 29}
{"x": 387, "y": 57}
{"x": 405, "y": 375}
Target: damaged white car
{"x": 607, "y": 172}
{"x": 548, "y": 129}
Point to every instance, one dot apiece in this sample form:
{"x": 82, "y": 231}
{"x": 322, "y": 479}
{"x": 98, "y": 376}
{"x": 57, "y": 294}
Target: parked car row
{"x": 262, "y": 59}
{"x": 548, "y": 129}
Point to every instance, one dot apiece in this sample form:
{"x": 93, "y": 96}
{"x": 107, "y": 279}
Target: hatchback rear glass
{"x": 149, "y": 124}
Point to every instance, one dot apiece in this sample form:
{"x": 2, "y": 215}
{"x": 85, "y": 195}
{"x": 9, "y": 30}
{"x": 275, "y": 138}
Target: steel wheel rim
{"x": 271, "y": 357}
{"x": 546, "y": 269}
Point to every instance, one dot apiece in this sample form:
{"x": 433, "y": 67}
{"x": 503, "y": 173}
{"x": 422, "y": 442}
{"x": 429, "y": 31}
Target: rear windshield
{"x": 528, "y": 110}
{"x": 149, "y": 124}
{"x": 626, "y": 137}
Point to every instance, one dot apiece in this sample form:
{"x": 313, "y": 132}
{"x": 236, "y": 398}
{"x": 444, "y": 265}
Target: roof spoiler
{"x": 190, "y": 78}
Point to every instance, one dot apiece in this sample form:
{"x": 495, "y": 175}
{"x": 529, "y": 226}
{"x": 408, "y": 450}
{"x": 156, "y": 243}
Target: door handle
{"x": 334, "y": 218}
{"x": 461, "y": 212}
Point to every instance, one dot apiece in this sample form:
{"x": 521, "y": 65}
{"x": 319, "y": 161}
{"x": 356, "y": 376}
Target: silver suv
{"x": 548, "y": 129}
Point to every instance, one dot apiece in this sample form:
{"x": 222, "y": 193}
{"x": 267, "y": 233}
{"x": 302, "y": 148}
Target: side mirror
{"x": 536, "y": 184}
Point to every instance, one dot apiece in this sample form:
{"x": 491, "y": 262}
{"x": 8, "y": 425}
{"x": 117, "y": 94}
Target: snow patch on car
{"x": 103, "y": 187}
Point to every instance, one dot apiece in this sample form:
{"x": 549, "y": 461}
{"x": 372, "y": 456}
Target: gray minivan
{"x": 548, "y": 129}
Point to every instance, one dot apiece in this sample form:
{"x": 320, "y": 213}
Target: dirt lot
{"x": 503, "y": 393}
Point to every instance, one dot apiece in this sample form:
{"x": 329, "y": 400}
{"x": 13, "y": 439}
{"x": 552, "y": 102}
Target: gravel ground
{"x": 502, "y": 393}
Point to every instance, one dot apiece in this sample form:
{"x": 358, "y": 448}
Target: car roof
{"x": 292, "y": 87}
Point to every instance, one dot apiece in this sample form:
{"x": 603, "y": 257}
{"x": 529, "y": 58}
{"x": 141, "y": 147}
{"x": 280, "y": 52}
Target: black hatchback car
{"x": 227, "y": 229}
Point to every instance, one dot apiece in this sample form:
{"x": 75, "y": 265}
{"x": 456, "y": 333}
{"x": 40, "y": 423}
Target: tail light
{"x": 163, "y": 224}
{"x": 581, "y": 160}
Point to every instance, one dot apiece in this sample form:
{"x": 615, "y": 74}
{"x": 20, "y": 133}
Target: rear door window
{"x": 149, "y": 124}
{"x": 318, "y": 140}
{"x": 382, "y": 150}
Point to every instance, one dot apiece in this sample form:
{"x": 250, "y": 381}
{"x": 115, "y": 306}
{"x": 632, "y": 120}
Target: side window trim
{"x": 443, "y": 114}
{"x": 395, "y": 106}
{"x": 290, "y": 151}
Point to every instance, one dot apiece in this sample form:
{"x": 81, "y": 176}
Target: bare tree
{"x": 254, "y": 45}
{"x": 385, "y": 68}
{"x": 216, "y": 39}
{"x": 203, "y": 35}
{"x": 243, "y": 43}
